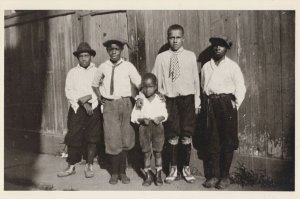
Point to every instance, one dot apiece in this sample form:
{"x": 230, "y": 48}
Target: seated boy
{"x": 151, "y": 131}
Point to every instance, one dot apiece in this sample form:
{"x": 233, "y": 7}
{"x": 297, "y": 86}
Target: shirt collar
{"x": 116, "y": 64}
{"x": 212, "y": 61}
{"x": 180, "y": 50}
{"x": 92, "y": 65}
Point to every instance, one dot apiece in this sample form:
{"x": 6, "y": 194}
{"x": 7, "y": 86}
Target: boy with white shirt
{"x": 178, "y": 80}
{"x": 151, "y": 131}
{"x": 84, "y": 122}
{"x": 224, "y": 90}
{"x": 113, "y": 86}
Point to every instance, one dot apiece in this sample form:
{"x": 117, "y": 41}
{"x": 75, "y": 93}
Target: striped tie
{"x": 174, "y": 70}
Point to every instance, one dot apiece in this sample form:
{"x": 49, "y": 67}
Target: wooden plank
{"x": 34, "y": 16}
{"x": 287, "y": 40}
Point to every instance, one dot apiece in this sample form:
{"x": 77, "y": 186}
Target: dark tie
{"x": 174, "y": 70}
{"x": 112, "y": 78}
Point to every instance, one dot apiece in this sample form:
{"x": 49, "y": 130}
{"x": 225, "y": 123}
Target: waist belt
{"x": 107, "y": 99}
{"x": 217, "y": 96}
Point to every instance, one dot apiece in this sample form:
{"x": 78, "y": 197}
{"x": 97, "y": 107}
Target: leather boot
{"x": 148, "y": 179}
{"x": 158, "y": 180}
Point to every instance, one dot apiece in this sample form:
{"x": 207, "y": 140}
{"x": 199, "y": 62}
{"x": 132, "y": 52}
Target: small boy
{"x": 151, "y": 131}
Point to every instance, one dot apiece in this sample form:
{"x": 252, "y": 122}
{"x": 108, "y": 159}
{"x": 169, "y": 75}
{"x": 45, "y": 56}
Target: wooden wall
{"x": 38, "y": 54}
{"x": 263, "y": 46}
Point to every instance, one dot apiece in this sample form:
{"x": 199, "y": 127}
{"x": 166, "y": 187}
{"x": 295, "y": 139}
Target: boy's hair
{"x": 175, "y": 27}
{"x": 150, "y": 76}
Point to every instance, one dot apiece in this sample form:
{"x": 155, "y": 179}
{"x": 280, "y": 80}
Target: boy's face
{"x": 149, "y": 87}
{"x": 175, "y": 39}
{"x": 114, "y": 52}
{"x": 219, "y": 50}
{"x": 84, "y": 59}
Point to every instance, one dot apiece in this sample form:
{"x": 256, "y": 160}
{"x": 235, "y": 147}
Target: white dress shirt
{"x": 225, "y": 78}
{"x": 149, "y": 110}
{"x": 79, "y": 84}
{"x": 188, "y": 81}
{"x": 125, "y": 75}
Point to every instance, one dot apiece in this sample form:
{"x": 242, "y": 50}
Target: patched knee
{"x": 173, "y": 140}
{"x": 186, "y": 140}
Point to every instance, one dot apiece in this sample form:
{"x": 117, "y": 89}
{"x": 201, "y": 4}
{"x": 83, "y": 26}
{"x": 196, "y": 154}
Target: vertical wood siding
{"x": 264, "y": 48}
{"x": 38, "y": 55}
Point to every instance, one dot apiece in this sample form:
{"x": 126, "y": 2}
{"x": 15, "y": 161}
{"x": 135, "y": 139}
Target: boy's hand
{"x": 197, "y": 111}
{"x": 146, "y": 121}
{"x": 158, "y": 120}
{"x": 88, "y": 108}
{"x": 161, "y": 96}
{"x": 139, "y": 103}
{"x": 101, "y": 100}
{"x": 84, "y": 99}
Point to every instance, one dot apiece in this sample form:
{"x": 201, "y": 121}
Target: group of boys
{"x": 166, "y": 108}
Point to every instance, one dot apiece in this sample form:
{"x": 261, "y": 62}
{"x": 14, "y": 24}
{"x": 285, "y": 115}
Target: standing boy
{"x": 84, "y": 124}
{"x": 151, "y": 131}
{"x": 224, "y": 90}
{"x": 178, "y": 79}
{"x": 115, "y": 93}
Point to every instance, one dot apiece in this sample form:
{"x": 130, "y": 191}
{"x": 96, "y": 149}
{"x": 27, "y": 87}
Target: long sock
{"x": 147, "y": 160}
{"x": 91, "y": 152}
{"x": 123, "y": 162}
{"x": 186, "y": 152}
{"x": 114, "y": 160}
{"x": 173, "y": 154}
{"x": 225, "y": 163}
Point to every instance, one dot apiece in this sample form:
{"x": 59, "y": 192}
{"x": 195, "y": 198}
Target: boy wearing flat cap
{"x": 84, "y": 124}
{"x": 115, "y": 94}
{"x": 224, "y": 90}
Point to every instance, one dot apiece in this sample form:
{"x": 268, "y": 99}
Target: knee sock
{"x": 186, "y": 152}
{"x": 123, "y": 162}
{"x": 91, "y": 152}
{"x": 147, "y": 160}
{"x": 173, "y": 154}
{"x": 158, "y": 160}
{"x": 114, "y": 161}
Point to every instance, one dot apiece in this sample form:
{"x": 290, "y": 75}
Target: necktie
{"x": 112, "y": 78}
{"x": 174, "y": 70}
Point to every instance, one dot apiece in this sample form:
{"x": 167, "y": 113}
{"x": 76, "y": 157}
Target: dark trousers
{"x": 220, "y": 139}
{"x": 83, "y": 135}
{"x": 87, "y": 152}
{"x": 182, "y": 117}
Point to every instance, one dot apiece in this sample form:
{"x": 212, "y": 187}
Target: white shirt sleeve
{"x": 69, "y": 90}
{"x": 158, "y": 73}
{"x": 135, "y": 115}
{"x": 98, "y": 77}
{"x": 164, "y": 111}
{"x": 135, "y": 76}
{"x": 240, "y": 88}
{"x": 196, "y": 82}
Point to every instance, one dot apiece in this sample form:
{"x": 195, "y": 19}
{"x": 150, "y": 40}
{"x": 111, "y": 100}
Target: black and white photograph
{"x": 149, "y": 100}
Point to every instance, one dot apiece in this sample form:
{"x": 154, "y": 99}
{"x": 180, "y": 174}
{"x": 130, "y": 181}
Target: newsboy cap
{"x": 221, "y": 39}
{"x": 84, "y": 47}
{"x": 119, "y": 42}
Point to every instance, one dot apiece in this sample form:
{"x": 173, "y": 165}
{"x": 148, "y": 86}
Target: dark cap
{"x": 221, "y": 40}
{"x": 119, "y": 42}
{"x": 84, "y": 47}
